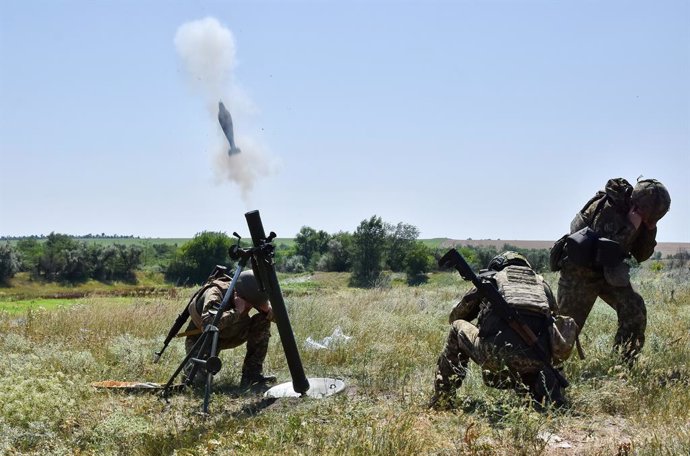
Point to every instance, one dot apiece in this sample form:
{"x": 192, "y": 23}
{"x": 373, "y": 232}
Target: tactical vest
{"x": 522, "y": 289}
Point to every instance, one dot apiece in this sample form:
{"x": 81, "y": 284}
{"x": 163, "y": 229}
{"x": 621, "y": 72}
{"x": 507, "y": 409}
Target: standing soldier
{"x": 506, "y": 359}
{"x": 626, "y": 215}
{"x": 235, "y": 325}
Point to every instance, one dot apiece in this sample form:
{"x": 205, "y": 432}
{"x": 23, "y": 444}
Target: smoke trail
{"x": 207, "y": 50}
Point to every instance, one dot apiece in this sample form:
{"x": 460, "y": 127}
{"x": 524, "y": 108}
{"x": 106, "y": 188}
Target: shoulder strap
{"x": 602, "y": 197}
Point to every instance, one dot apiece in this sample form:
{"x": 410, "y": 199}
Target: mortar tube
{"x": 269, "y": 279}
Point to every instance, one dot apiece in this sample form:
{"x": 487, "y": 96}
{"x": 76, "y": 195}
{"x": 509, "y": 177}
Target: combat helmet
{"x": 508, "y": 258}
{"x": 247, "y": 287}
{"x": 652, "y": 198}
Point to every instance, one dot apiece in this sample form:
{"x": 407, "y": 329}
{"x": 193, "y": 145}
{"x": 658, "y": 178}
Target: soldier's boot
{"x": 443, "y": 398}
{"x": 257, "y": 347}
{"x": 628, "y": 347}
{"x": 545, "y": 390}
{"x": 256, "y": 380}
{"x": 448, "y": 378}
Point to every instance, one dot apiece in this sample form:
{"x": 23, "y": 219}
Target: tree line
{"x": 369, "y": 253}
{"x": 62, "y": 258}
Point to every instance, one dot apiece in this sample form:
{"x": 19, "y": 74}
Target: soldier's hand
{"x": 242, "y": 306}
{"x": 267, "y": 310}
{"x": 635, "y": 217}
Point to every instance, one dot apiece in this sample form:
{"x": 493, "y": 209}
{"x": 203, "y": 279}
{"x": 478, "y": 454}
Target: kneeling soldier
{"x": 236, "y": 326}
{"x": 505, "y": 358}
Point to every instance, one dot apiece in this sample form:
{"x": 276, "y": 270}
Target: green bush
{"x": 197, "y": 258}
{"x": 368, "y": 247}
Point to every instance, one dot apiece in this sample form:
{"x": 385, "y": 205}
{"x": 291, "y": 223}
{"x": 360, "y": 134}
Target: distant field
{"x": 666, "y": 248}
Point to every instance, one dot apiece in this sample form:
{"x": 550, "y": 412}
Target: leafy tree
{"x": 417, "y": 263}
{"x": 103, "y": 259}
{"x": 9, "y": 263}
{"x": 368, "y": 247}
{"x": 311, "y": 244}
{"x": 337, "y": 257}
{"x": 30, "y": 251}
{"x": 77, "y": 266}
{"x": 482, "y": 256}
{"x": 401, "y": 240}
{"x": 158, "y": 255}
{"x": 538, "y": 258}
{"x": 124, "y": 263}
{"x": 54, "y": 260}
{"x": 282, "y": 255}
{"x": 197, "y": 258}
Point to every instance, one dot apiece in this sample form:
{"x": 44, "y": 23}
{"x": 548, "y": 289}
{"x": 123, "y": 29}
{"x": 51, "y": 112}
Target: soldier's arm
{"x": 212, "y": 300}
{"x": 644, "y": 244}
{"x": 468, "y": 307}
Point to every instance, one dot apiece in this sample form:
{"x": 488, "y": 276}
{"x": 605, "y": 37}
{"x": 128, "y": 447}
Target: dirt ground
{"x": 610, "y": 435}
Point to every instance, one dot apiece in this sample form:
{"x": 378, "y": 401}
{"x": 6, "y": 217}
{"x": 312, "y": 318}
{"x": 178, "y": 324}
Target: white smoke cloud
{"x": 208, "y": 53}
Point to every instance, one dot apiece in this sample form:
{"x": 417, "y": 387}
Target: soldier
{"x": 235, "y": 325}
{"x": 505, "y": 358}
{"x": 628, "y": 216}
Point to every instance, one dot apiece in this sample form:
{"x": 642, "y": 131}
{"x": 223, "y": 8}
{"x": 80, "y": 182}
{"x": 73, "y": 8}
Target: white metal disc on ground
{"x": 318, "y": 388}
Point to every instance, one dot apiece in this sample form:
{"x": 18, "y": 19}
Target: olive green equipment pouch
{"x": 563, "y": 334}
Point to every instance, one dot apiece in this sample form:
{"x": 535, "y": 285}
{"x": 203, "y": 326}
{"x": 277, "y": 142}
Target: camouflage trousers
{"x": 235, "y": 330}
{"x": 502, "y": 367}
{"x": 578, "y": 289}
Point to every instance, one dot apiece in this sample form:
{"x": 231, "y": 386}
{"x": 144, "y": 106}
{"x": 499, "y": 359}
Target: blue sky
{"x": 467, "y": 119}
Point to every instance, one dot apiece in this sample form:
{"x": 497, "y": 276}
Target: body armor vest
{"x": 523, "y": 289}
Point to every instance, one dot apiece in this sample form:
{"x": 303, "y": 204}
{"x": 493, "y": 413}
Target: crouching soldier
{"x": 505, "y": 357}
{"x": 236, "y": 326}
{"x": 625, "y": 216}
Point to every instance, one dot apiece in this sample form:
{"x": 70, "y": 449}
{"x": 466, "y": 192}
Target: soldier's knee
{"x": 260, "y": 322}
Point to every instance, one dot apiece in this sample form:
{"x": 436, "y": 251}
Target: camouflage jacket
{"x": 205, "y": 306}
{"x": 607, "y": 214}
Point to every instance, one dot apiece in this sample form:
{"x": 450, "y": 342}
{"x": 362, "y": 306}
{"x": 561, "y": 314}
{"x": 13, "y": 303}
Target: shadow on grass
{"x": 500, "y": 412}
{"x": 417, "y": 280}
{"x": 189, "y": 438}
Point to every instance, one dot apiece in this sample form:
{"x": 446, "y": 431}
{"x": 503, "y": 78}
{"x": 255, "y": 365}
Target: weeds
{"x": 50, "y": 357}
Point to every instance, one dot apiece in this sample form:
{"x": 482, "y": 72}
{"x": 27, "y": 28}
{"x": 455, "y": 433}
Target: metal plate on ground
{"x": 319, "y": 387}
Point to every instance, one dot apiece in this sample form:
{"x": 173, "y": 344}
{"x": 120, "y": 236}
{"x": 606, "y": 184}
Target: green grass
{"x": 16, "y": 307}
{"x": 50, "y": 357}
{"x": 23, "y": 287}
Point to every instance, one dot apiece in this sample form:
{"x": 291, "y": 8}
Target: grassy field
{"x": 53, "y": 353}
{"x": 23, "y": 288}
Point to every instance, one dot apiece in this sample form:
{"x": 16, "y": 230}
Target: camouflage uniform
{"x": 505, "y": 359}
{"x": 235, "y": 328}
{"x": 579, "y": 286}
